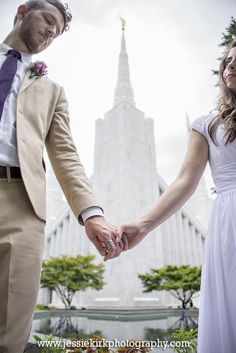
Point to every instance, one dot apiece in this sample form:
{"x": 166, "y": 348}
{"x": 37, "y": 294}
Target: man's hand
{"x": 100, "y": 232}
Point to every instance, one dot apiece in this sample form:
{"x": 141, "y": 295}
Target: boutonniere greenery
{"x": 38, "y": 69}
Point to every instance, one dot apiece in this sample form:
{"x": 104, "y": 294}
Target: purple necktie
{"x": 7, "y": 73}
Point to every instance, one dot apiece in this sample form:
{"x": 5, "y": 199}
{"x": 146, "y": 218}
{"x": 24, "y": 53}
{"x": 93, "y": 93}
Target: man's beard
{"x": 26, "y": 36}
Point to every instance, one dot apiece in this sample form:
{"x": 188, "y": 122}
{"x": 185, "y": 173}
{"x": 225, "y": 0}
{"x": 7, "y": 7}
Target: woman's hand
{"x": 131, "y": 235}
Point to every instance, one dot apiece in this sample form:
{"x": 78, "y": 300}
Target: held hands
{"x": 104, "y": 236}
{"x": 108, "y": 240}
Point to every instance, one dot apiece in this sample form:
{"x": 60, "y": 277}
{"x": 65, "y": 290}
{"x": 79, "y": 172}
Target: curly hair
{"x": 40, "y": 4}
{"x": 226, "y": 106}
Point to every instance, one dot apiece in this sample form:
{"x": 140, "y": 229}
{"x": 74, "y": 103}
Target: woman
{"x": 212, "y": 138}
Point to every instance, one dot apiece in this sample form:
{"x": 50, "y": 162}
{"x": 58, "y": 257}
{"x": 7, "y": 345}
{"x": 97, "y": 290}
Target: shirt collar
{"x": 26, "y": 58}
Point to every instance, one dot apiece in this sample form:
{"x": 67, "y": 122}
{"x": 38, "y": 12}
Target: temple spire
{"x": 124, "y": 90}
{"x": 188, "y": 123}
{"x": 123, "y": 23}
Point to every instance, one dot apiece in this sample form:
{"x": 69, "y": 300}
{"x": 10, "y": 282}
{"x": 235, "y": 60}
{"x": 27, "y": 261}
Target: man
{"x": 34, "y": 113}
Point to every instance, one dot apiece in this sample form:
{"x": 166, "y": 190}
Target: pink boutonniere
{"x": 38, "y": 69}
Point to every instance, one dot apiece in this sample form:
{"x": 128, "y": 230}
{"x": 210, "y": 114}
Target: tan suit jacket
{"x": 43, "y": 119}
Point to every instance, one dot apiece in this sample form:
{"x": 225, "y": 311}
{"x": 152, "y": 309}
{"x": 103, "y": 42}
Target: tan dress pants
{"x": 21, "y": 252}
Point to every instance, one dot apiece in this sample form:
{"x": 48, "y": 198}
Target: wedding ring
{"x": 110, "y": 244}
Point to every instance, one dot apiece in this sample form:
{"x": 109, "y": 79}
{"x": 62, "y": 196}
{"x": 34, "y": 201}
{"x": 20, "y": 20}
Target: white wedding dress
{"x": 217, "y": 316}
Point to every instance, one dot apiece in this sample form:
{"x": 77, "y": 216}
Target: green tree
{"x": 227, "y": 38}
{"x": 67, "y": 275}
{"x": 182, "y": 282}
{"x": 230, "y": 35}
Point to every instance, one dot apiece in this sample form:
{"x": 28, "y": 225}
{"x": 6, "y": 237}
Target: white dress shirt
{"x": 8, "y": 148}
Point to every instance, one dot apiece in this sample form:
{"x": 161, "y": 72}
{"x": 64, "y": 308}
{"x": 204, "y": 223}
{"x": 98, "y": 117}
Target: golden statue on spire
{"x": 123, "y": 23}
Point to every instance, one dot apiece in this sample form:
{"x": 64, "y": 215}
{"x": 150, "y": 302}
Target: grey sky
{"x": 172, "y": 47}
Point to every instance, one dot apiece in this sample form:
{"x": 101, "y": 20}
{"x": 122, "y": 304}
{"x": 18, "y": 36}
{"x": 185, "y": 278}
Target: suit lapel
{"x": 26, "y": 81}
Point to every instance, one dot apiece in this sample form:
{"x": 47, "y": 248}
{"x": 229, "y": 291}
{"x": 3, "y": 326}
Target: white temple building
{"x": 126, "y": 182}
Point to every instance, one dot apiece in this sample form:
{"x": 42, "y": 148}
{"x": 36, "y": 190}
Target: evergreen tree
{"x": 227, "y": 38}
{"x": 230, "y": 35}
